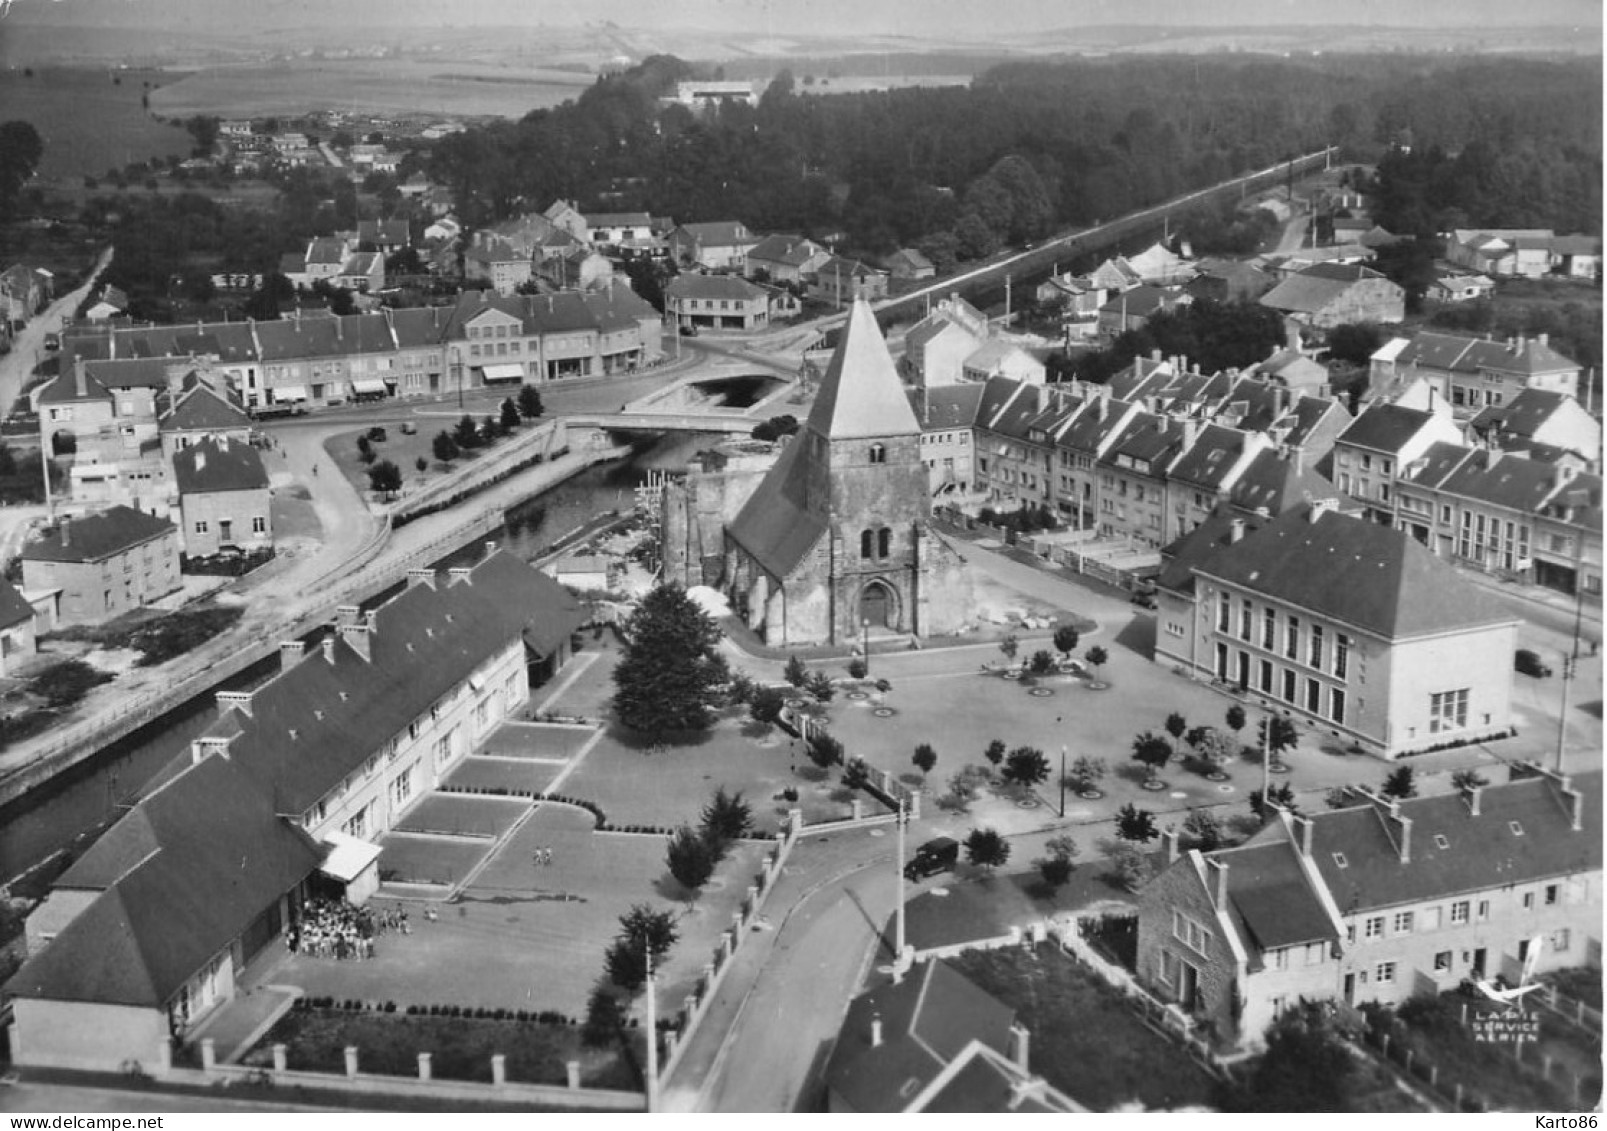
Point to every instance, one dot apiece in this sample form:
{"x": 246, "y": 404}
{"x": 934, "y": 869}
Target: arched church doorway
{"x": 876, "y": 605}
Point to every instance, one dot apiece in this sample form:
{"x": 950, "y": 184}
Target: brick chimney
{"x": 81, "y": 377}
{"x": 1020, "y": 1045}
{"x": 1302, "y": 831}
{"x": 1475, "y": 797}
{"x": 357, "y": 638}
{"x": 1236, "y": 530}
{"x": 234, "y": 700}
{"x": 347, "y": 614}
{"x": 421, "y": 577}
{"x": 460, "y": 573}
{"x": 1405, "y": 825}
{"x": 329, "y": 649}
{"x": 876, "y": 1031}
{"x": 1169, "y": 843}
{"x": 1218, "y": 889}
{"x": 290, "y": 653}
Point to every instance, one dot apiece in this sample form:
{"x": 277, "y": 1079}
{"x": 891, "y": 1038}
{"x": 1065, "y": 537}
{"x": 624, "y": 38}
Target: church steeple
{"x": 861, "y": 395}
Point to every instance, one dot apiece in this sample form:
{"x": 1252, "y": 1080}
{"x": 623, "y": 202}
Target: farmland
{"x": 90, "y": 119}
{"x": 374, "y": 86}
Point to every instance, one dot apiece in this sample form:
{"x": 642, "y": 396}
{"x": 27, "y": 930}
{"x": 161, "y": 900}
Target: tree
{"x": 21, "y": 147}
{"x": 467, "y": 433}
{"x": 965, "y": 785}
{"x": 1400, "y": 784}
{"x": 1026, "y": 766}
{"x": 995, "y": 751}
{"x": 1176, "y": 724}
{"x": 726, "y": 818}
{"x": 669, "y": 678}
{"x": 1055, "y": 870}
{"x": 445, "y": 447}
{"x": 1097, "y": 658}
{"x": 1133, "y": 823}
{"x": 691, "y": 858}
{"x": 1152, "y": 750}
{"x": 1283, "y": 735}
{"x": 1282, "y": 795}
{"x": 1129, "y": 863}
{"x": 1461, "y": 780}
{"x": 385, "y": 478}
{"x": 795, "y": 673}
{"x": 641, "y": 931}
{"x": 1087, "y": 772}
{"x": 775, "y": 428}
{"x": 605, "y": 1017}
{"x": 925, "y": 758}
{"x": 1205, "y": 827}
{"x": 820, "y": 686}
{"x": 1213, "y": 746}
{"x": 529, "y": 402}
{"x": 422, "y": 463}
{"x": 824, "y": 750}
{"x": 1306, "y": 1066}
{"x": 765, "y": 704}
{"x": 490, "y": 431}
{"x": 1009, "y": 646}
{"x": 509, "y": 420}
{"x": 1235, "y": 718}
{"x": 1066, "y": 639}
{"x": 856, "y": 775}
{"x": 1043, "y": 662}
{"x": 1064, "y": 846}
{"x": 986, "y": 848}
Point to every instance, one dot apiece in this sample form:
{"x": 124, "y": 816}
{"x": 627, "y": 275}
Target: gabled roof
{"x": 946, "y": 406}
{"x": 1277, "y": 482}
{"x": 842, "y": 267}
{"x": 776, "y": 525}
{"x": 1356, "y": 572}
{"x": 933, "y": 327}
{"x": 982, "y": 1079}
{"x": 14, "y": 607}
{"x": 96, "y": 536}
{"x": 927, "y": 1021}
{"x": 1148, "y": 438}
{"x": 717, "y": 233}
{"x": 326, "y": 250}
{"x": 618, "y": 220}
{"x": 1207, "y": 462}
{"x": 1385, "y": 428}
{"x": 1273, "y": 902}
{"x": 201, "y": 408}
{"x": 1312, "y": 289}
{"x": 791, "y": 251}
{"x": 1140, "y": 302}
{"x": 911, "y": 258}
{"x": 181, "y": 877}
{"x": 730, "y": 287}
{"x": 1503, "y": 480}
{"x": 1480, "y": 852}
{"x": 218, "y": 465}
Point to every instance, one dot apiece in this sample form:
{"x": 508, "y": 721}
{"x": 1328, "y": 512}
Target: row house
{"x": 1014, "y": 463}
{"x": 936, "y": 347}
{"x": 1352, "y": 627}
{"x": 1504, "y": 514}
{"x": 948, "y": 417}
{"x": 784, "y": 259}
{"x": 1372, "y": 454}
{"x": 1473, "y": 373}
{"x": 720, "y": 245}
{"x": 535, "y": 339}
{"x": 286, "y": 791}
{"x": 1545, "y": 424}
{"x": 1378, "y": 901}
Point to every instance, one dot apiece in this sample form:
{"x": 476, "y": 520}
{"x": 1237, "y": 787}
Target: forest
{"x": 1030, "y": 147}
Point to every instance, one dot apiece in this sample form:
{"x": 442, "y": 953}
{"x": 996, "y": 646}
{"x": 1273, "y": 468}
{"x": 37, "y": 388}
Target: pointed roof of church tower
{"x": 861, "y": 395}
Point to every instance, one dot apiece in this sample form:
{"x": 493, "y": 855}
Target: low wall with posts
{"x": 424, "y": 1087}
{"x": 696, "y": 1004}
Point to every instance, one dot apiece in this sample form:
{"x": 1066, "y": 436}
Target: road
{"x": 17, "y": 367}
{"x": 52, "y": 1099}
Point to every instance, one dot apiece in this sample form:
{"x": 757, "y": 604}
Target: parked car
{"x": 688, "y": 331}
{"x": 1530, "y": 663}
{"x": 939, "y": 854}
{"x": 52, "y": 341}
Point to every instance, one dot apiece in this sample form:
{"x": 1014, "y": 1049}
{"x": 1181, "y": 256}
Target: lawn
{"x": 91, "y": 120}
{"x": 405, "y": 451}
{"x": 429, "y": 860}
{"x": 463, "y": 816}
{"x": 1433, "y": 1027}
{"x": 461, "y": 1048}
{"x": 535, "y": 740}
{"x": 491, "y": 774}
{"x": 1086, "y": 1041}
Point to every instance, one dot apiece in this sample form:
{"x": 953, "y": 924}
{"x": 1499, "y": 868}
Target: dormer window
{"x": 1340, "y": 861}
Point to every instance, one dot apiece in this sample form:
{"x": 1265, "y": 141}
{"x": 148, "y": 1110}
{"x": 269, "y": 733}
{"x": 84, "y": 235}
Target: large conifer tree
{"x": 669, "y": 679}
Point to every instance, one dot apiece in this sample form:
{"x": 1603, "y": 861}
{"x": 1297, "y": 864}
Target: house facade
{"x": 1372, "y": 454}
{"x": 1474, "y": 373}
{"x": 104, "y": 565}
{"x": 1378, "y": 901}
{"x": 1331, "y": 294}
{"x": 720, "y": 245}
{"x": 224, "y": 502}
{"x": 716, "y": 302}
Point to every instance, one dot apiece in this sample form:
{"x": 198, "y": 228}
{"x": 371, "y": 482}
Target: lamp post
{"x": 898, "y": 919}
{"x": 864, "y": 641}
{"x": 652, "y": 1032}
{"x": 1062, "y": 779}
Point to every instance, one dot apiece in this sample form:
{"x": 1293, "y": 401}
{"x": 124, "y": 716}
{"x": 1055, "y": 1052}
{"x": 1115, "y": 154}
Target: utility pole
{"x": 1266, "y": 766}
{"x": 898, "y": 919}
{"x": 1568, "y": 665}
{"x": 652, "y": 1033}
{"x": 1062, "y": 781}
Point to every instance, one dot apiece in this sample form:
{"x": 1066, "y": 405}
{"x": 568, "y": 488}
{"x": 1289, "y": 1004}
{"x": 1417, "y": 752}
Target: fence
{"x": 696, "y": 1004}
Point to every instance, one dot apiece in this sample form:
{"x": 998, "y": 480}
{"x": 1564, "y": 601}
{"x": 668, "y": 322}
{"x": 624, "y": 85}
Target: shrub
{"x": 857, "y": 668}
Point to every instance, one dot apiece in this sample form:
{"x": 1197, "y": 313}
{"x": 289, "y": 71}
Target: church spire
{"x": 861, "y": 395}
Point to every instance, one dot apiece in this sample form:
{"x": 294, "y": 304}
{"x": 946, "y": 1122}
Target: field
{"x": 393, "y": 86}
{"x": 90, "y": 123}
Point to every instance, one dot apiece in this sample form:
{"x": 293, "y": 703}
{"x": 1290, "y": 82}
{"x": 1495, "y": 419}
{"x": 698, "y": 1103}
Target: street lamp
{"x": 864, "y": 641}
{"x": 898, "y": 930}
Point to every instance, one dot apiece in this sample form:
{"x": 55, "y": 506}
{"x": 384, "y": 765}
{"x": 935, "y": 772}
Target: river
{"x": 69, "y": 810}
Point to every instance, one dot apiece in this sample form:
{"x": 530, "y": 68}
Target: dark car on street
{"x": 1529, "y": 663}
{"x": 939, "y": 854}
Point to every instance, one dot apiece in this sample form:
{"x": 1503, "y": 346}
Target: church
{"x": 834, "y": 541}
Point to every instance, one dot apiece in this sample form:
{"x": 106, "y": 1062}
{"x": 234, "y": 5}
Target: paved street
{"x": 28, "y": 349}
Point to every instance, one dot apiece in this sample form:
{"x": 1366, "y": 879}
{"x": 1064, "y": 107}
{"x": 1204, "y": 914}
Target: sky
{"x": 917, "y": 18}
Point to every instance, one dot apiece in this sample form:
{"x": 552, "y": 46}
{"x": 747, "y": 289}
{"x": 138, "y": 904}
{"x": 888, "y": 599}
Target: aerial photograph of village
{"x": 849, "y": 556}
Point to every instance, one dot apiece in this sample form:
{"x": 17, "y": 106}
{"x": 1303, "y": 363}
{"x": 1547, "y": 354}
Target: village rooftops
{"x": 1385, "y": 428}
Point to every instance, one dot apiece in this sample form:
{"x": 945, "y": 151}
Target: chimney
{"x": 1405, "y": 824}
{"x": 1320, "y": 507}
{"x": 329, "y": 649}
{"x": 1544, "y": 339}
{"x": 1576, "y": 806}
{"x": 290, "y": 653}
{"x": 231, "y": 700}
{"x": 1236, "y": 531}
{"x": 201, "y": 747}
{"x": 80, "y": 376}
{"x": 66, "y": 531}
{"x": 876, "y": 1031}
{"x": 490, "y": 547}
{"x": 1169, "y": 845}
{"x": 1303, "y": 826}
{"x": 460, "y": 573}
{"x": 200, "y": 459}
{"x": 1475, "y": 797}
{"x": 1021, "y": 1045}
{"x": 421, "y": 577}
{"x": 1219, "y": 890}
{"x": 347, "y": 614}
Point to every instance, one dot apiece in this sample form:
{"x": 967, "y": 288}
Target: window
{"x": 358, "y": 825}
{"x": 1288, "y": 685}
{"x": 878, "y": 453}
{"x": 1553, "y": 893}
{"x": 259, "y": 525}
{"x": 1313, "y": 696}
{"x": 1441, "y": 842}
{"x": 1190, "y": 933}
{"x": 1266, "y": 676}
{"x": 200, "y": 526}
{"x": 1340, "y": 861}
{"x": 1384, "y": 973}
{"x": 1403, "y": 923}
{"x": 1336, "y": 705}
{"x": 1442, "y": 962}
{"x": 1246, "y": 619}
{"x": 402, "y": 787}
{"x": 1341, "y": 654}
{"x": 1316, "y": 646}
{"x": 1528, "y": 901}
{"x": 1459, "y": 912}
{"x": 1484, "y": 910}
{"x": 884, "y": 542}
{"x": 1291, "y": 641}
{"x": 443, "y": 750}
{"x": 1560, "y": 938}
{"x": 1373, "y": 928}
{"x": 1517, "y": 829}
{"x": 1269, "y": 629}
{"x": 866, "y": 543}
{"x": 1448, "y": 710}
{"x": 1224, "y": 613}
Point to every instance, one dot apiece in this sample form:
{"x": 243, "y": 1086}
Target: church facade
{"x": 835, "y": 540}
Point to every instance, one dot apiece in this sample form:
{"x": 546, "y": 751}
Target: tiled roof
{"x": 1385, "y": 427}
{"x": 1311, "y": 290}
{"x": 14, "y": 607}
{"x": 213, "y": 465}
{"x": 1207, "y": 462}
{"x": 203, "y": 409}
{"x": 718, "y": 233}
{"x": 793, "y": 251}
{"x": 1140, "y": 302}
{"x": 96, "y": 536}
{"x": 927, "y": 1021}
{"x": 946, "y": 406}
{"x": 861, "y": 394}
{"x": 1503, "y": 480}
{"x": 1273, "y": 903}
{"x": 730, "y": 287}
{"x": 1277, "y": 482}
{"x": 1358, "y": 573}
{"x": 1480, "y": 852}
{"x": 776, "y": 525}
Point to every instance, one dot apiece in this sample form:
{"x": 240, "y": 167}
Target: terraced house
{"x": 1474, "y": 373}
{"x": 1378, "y": 901}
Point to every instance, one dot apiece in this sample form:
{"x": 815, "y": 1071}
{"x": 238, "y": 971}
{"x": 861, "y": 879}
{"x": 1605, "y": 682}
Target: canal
{"x": 68, "y": 811}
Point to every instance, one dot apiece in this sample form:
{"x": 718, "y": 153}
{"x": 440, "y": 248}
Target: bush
{"x": 66, "y": 682}
{"x": 857, "y": 668}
